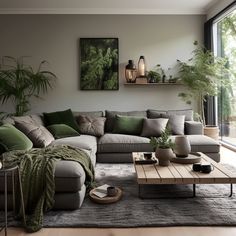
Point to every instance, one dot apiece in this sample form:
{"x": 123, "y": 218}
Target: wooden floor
{"x": 227, "y": 157}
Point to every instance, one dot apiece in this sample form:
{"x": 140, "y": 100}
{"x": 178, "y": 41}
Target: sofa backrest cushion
{"x": 110, "y": 117}
{"x": 153, "y": 114}
{"x": 32, "y": 127}
{"x": 91, "y": 125}
{"x": 128, "y": 125}
{"x": 188, "y": 113}
{"x": 62, "y": 131}
{"x": 65, "y": 117}
{"x": 87, "y": 113}
{"x": 153, "y": 127}
{"x": 13, "y": 139}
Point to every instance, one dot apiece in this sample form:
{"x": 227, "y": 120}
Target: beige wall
{"x": 161, "y": 39}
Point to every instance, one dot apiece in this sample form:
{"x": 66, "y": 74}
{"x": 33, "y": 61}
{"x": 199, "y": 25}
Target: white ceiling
{"x": 106, "y": 6}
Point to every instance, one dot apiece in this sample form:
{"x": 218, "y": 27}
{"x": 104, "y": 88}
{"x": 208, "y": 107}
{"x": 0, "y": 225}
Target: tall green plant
{"x": 19, "y": 82}
{"x": 202, "y": 75}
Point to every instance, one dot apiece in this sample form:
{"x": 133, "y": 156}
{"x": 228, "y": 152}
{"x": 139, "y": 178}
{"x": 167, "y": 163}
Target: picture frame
{"x": 99, "y": 64}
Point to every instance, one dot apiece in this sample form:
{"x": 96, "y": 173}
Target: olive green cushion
{"x": 61, "y": 117}
{"x": 111, "y": 115}
{"x": 128, "y": 125}
{"x": 13, "y": 139}
{"x": 62, "y": 131}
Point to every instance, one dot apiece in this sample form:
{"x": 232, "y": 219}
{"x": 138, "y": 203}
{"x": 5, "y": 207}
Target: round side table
{"x": 105, "y": 200}
{"x": 12, "y": 170}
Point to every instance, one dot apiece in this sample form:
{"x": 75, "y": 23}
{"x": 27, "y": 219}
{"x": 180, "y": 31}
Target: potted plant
{"x": 163, "y": 147}
{"x": 19, "y": 82}
{"x": 153, "y": 76}
{"x": 156, "y": 75}
{"x": 202, "y": 75}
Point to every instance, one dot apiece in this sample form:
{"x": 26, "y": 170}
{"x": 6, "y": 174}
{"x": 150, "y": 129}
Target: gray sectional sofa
{"x": 115, "y": 148}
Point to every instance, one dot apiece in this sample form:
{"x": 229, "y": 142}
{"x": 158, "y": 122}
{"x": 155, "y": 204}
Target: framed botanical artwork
{"x": 99, "y": 62}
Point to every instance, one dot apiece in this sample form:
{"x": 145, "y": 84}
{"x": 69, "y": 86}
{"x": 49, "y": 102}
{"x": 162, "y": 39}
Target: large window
{"x": 224, "y": 35}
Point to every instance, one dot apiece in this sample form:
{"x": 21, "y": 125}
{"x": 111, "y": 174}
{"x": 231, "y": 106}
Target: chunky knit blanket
{"x": 37, "y": 168}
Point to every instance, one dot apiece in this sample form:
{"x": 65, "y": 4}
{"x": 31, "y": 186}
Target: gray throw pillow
{"x": 32, "y": 127}
{"x": 88, "y": 113}
{"x": 153, "y": 127}
{"x": 91, "y": 125}
{"x": 176, "y": 124}
{"x": 188, "y": 113}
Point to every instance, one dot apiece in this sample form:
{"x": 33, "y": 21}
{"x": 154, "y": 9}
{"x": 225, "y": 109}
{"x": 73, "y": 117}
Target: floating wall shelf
{"x": 150, "y": 84}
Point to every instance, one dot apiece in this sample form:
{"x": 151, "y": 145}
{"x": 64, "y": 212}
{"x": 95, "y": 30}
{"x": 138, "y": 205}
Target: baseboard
{"x": 226, "y": 145}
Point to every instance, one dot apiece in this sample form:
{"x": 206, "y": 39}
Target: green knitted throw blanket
{"x": 37, "y": 168}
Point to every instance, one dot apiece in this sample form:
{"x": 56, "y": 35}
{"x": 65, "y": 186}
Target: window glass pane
{"x": 225, "y": 46}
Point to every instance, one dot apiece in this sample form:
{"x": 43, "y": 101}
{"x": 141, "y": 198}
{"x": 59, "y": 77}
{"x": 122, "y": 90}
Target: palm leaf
{"x": 19, "y": 82}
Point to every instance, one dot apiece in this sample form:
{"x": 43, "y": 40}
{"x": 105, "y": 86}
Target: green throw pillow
{"x": 61, "y": 117}
{"x": 128, "y": 125}
{"x": 13, "y": 139}
{"x": 62, "y": 131}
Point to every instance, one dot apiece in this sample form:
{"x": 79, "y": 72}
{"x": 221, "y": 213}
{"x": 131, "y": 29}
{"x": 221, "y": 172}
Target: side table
{"x": 6, "y": 171}
{"x": 106, "y": 200}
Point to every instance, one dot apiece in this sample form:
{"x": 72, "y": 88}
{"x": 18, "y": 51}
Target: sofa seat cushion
{"x": 123, "y": 143}
{"x": 69, "y": 176}
{"x": 202, "y": 143}
{"x": 86, "y": 142}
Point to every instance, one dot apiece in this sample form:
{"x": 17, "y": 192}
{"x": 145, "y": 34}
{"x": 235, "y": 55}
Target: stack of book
{"x": 101, "y": 191}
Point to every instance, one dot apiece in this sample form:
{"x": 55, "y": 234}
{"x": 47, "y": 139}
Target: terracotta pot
{"x": 164, "y": 155}
{"x": 182, "y": 146}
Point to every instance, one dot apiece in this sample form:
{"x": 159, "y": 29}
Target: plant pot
{"x": 164, "y": 155}
{"x": 182, "y": 146}
{"x": 212, "y": 131}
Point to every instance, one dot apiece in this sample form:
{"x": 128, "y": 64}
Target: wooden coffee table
{"x": 177, "y": 173}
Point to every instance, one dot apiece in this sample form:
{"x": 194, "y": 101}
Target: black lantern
{"x": 141, "y": 67}
{"x": 130, "y": 72}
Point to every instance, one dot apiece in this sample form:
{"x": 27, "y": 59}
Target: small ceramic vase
{"x": 164, "y": 155}
{"x": 182, "y": 146}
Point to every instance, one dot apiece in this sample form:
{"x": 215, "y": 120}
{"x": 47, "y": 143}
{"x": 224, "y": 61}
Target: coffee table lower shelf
{"x": 141, "y": 195}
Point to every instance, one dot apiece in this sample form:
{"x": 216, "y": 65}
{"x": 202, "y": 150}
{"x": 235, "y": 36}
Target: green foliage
{"x": 227, "y": 33}
{"x": 202, "y": 75}
{"x": 224, "y": 108}
{"x": 19, "y": 82}
{"x": 156, "y": 74}
{"x": 163, "y": 141}
{"x": 99, "y": 64}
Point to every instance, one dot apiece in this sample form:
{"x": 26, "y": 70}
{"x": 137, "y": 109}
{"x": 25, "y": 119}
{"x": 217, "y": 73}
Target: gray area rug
{"x": 131, "y": 211}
